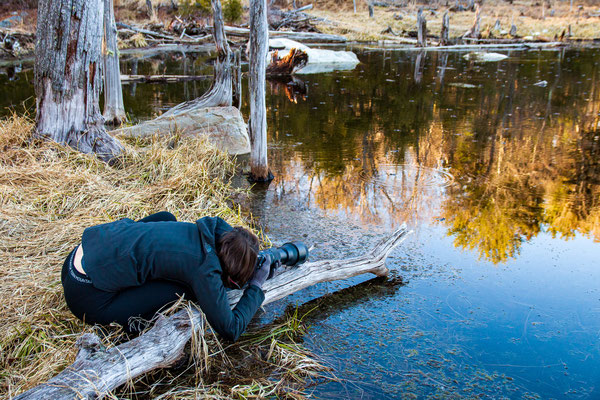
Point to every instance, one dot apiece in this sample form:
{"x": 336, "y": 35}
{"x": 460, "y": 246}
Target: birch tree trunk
{"x": 68, "y": 76}
{"x": 114, "y": 110}
{"x": 97, "y": 370}
{"x": 257, "y": 125}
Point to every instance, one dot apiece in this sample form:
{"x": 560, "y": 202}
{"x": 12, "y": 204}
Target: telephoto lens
{"x": 290, "y": 254}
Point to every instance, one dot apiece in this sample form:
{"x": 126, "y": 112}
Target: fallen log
{"x": 162, "y": 78}
{"x": 298, "y": 36}
{"x": 97, "y": 371}
{"x": 145, "y": 31}
{"x": 525, "y": 45}
{"x": 224, "y": 127}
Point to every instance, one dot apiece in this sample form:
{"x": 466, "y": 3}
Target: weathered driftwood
{"x": 96, "y": 370}
{"x": 221, "y": 91}
{"x": 257, "y": 124}
{"x": 114, "y": 110}
{"x": 145, "y": 31}
{"x": 524, "y": 45}
{"x": 68, "y": 76}
{"x": 163, "y": 78}
{"x": 298, "y": 36}
{"x": 222, "y": 126}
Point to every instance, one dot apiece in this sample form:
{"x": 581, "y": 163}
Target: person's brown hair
{"x": 238, "y": 251}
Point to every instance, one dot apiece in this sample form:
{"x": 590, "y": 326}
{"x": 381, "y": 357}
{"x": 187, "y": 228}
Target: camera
{"x": 291, "y": 254}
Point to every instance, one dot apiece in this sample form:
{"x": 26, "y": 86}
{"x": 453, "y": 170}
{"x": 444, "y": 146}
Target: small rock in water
{"x": 484, "y": 57}
{"x": 541, "y": 84}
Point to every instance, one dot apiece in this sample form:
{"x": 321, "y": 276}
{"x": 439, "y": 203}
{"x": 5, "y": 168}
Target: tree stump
{"x": 68, "y": 76}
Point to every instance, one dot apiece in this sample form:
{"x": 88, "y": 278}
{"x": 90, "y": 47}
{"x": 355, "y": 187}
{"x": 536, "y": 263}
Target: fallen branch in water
{"x": 162, "y": 78}
{"x": 97, "y": 371}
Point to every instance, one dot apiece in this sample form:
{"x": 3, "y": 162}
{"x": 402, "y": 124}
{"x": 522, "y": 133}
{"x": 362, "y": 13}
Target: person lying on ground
{"x": 126, "y": 270}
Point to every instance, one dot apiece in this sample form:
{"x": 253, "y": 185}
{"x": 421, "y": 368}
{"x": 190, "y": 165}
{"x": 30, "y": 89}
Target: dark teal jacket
{"x": 125, "y": 253}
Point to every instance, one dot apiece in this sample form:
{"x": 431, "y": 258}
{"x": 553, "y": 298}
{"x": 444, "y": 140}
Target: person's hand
{"x": 262, "y": 273}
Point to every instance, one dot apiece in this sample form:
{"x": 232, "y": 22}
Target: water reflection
{"x": 524, "y": 158}
{"x": 369, "y": 143}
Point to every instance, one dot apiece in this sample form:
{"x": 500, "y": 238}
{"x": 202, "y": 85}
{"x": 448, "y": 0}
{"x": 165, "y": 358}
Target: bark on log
{"x": 114, "y": 110}
{"x": 68, "y": 76}
{"x": 96, "y": 371}
{"x": 257, "y": 124}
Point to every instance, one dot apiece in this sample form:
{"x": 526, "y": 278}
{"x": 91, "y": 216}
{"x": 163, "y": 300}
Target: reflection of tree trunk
{"x": 114, "y": 110}
{"x": 134, "y": 71}
{"x": 442, "y": 69}
{"x": 419, "y": 67}
{"x": 186, "y": 88}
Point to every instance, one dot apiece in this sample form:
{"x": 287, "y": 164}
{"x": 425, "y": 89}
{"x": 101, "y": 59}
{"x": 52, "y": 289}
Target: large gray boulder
{"x": 224, "y": 127}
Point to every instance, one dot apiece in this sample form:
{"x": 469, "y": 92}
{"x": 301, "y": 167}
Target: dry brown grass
{"x": 48, "y": 195}
{"x": 525, "y": 15}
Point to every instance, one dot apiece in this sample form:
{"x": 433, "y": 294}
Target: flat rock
{"x": 224, "y": 127}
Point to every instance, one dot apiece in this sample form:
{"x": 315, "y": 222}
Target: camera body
{"x": 291, "y": 254}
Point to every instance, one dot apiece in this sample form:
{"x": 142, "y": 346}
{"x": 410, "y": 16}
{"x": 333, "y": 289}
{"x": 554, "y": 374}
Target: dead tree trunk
{"x": 150, "y": 10}
{"x": 421, "y": 28}
{"x": 68, "y": 76}
{"x": 97, "y": 370}
{"x": 475, "y": 31}
{"x": 114, "y": 110}
{"x": 221, "y": 91}
{"x": 445, "y": 30}
{"x": 257, "y": 125}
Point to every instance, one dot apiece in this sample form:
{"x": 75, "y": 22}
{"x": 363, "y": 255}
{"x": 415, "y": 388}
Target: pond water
{"x": 496, "y": 169}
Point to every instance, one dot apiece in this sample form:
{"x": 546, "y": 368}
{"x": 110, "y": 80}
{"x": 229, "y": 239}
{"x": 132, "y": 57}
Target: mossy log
{"x": 97, "y": 370}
